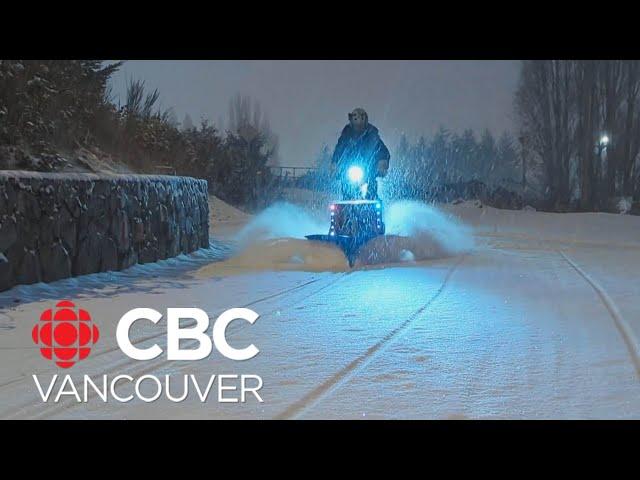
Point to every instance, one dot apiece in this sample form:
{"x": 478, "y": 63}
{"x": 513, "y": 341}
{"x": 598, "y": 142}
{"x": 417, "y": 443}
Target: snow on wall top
{"x": 18, "y": 174}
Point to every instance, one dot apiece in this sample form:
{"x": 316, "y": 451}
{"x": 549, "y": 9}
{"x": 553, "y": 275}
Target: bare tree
{"x": 631, "y": 138}
{"x": 545, "y": 101}
{"x": 247, "y": 121}
{"x": 585, "y": 83}
{"x": 581, "y": 120}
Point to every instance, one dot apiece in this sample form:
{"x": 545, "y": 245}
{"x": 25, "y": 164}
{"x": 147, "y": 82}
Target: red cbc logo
{"x": 65, "y": 334}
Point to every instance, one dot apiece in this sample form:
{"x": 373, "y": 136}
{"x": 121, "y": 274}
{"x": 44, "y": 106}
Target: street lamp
{"x": 601, "y": 160}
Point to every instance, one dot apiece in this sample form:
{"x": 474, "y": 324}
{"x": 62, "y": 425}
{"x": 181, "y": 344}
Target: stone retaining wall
{"x": 54, "y": 225}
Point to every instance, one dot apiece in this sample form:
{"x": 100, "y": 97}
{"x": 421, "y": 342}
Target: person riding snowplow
{"x": 358, "y": 160}
{"x": 360, "y": 145}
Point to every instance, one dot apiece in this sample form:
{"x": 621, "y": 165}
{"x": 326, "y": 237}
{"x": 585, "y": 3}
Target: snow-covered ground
{"x": 482, "y": 313}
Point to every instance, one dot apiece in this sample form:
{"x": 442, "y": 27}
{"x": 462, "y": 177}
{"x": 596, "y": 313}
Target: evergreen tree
{"x": 507, "y": 166}
{"x": 487, "y": 154}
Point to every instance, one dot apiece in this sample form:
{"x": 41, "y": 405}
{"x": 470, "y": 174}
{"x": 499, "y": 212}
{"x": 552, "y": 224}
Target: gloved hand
{"x": 383, "y": 167}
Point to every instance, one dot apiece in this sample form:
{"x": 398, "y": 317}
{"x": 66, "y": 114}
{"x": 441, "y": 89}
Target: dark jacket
{"x": 366, "y": 148}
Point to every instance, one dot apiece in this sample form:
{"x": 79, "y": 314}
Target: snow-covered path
{"x": 521, "y": 327}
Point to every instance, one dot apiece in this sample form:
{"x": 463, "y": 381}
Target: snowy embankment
{"x": 221, "y": 213}
{"x": 605, "y": 229}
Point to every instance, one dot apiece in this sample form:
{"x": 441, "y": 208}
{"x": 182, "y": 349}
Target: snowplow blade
{"x": 349, "y": 245}
{"x": 322, "y": 238}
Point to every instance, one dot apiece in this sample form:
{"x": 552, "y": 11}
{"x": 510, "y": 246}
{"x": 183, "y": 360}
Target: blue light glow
{"x": 355, "y": 174}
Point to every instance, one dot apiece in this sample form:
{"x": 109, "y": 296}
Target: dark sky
{"x": 307, "y": 101}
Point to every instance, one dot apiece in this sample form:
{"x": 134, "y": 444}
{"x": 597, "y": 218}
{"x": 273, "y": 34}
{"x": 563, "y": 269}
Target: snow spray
{"x": 280, "y": 220}
{"x": 415, "y": 231}
{"x": 407, "y": 218}
{"x": 275, "y": 240}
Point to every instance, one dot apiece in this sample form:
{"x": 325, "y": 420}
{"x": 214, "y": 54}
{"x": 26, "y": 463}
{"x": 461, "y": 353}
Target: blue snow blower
{"x": 358, "y": 217}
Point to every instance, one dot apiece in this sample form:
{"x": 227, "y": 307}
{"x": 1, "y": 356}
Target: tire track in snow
{"x": 44, "y": 410}
{"x": 621, "y": 324}
{"x": 334, "y": 382}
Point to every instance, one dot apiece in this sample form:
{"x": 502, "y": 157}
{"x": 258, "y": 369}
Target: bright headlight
{"x": 355, "y": 174}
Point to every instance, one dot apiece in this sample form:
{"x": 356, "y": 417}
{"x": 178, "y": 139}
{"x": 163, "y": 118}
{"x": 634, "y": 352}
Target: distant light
{"x": 355, "y": 174}
{"x": 332, "y": 207}
{"x": 378, "y": 205}
{"x": 604, "y": 140}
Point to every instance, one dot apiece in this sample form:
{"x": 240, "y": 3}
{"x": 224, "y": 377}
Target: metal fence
{"x": 291, "y": 172}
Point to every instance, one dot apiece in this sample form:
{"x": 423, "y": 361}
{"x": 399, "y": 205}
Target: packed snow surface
{"x": 537, "y": 318}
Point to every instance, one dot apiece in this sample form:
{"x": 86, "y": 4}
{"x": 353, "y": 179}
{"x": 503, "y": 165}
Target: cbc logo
{"x": 65, "y": 334}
